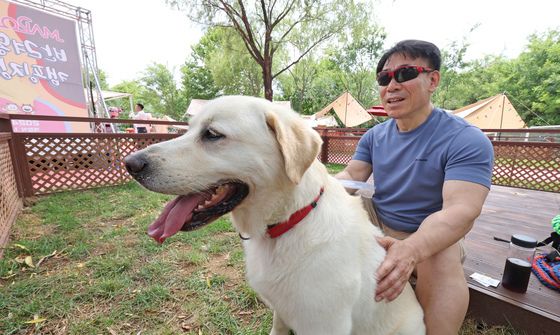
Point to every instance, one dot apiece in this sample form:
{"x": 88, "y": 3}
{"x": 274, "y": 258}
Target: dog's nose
{"x": 135, "y": 163}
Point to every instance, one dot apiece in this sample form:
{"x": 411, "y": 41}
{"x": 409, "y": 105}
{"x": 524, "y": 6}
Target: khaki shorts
{"x": 400, "y": 235}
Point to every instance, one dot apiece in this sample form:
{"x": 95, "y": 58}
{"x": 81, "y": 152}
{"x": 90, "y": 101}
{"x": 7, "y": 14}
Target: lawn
{"x": 81, "y": 263}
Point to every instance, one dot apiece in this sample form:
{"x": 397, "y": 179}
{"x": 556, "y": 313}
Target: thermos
{"x": 517, "y": 270}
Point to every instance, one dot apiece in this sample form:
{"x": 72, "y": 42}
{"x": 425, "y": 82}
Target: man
{"x": 432, "y": 172}
{"x": 141, "y": 115}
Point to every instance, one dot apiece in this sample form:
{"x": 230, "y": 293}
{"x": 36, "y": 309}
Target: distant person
{"x": 113, "y": 114}
{"x": 141, "y": 115}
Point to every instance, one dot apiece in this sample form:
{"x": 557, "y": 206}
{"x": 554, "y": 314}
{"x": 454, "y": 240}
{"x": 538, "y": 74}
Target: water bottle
{"x": 517, "y": 270}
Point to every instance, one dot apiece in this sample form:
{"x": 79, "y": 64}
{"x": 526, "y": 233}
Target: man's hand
{"x": 395, "y": 270}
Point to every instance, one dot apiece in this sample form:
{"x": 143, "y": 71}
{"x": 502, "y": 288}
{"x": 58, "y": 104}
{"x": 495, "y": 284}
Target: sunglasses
{"x": 401, "y": 74}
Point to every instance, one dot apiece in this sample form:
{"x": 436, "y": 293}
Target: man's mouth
{"x": 194, "y": 210}
{"x": 394, "y": 100}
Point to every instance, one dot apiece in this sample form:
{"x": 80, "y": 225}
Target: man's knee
{"x": 442, "y": 291}
{"x": 444, "y": 268}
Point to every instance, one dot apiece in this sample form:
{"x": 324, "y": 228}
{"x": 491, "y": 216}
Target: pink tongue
{"x": 175, "y": 214}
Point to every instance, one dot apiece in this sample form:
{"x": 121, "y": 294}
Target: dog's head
{"x": 234, "y": 146}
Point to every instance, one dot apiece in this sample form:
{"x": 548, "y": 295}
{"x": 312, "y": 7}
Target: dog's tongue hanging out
{"x": 175, "y": 214}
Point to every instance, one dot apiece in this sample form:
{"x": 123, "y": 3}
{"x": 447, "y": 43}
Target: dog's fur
{"x": 319, "y": 277}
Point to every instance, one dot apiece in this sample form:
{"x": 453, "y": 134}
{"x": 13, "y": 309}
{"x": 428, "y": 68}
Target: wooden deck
{"x": 509, "y": 211}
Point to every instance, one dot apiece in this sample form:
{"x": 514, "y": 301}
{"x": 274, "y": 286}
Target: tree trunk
{"x": 267, "y": 79}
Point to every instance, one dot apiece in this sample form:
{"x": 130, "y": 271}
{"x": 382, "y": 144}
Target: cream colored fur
{"x": 319, "y": 276}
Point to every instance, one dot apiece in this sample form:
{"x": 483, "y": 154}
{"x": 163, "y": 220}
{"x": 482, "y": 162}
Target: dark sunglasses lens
{"x": 383, "y": 78}
{"x": 406, "y": 74}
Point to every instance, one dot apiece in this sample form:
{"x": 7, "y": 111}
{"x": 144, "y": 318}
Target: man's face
{"x": 137, "y": 108}
{"x": 407, "y": 99}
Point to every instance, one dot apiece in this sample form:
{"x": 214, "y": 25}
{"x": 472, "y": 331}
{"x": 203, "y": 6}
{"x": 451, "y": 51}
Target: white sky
{"x": 131, "y": 34}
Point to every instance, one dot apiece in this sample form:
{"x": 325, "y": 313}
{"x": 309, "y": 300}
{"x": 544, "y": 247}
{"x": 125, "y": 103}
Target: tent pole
{"x": 503, "y": 106}
{"x": 346, "y": 109}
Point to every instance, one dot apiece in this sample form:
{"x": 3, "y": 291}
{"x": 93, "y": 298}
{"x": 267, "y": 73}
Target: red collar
{"x": 278, "y": 229}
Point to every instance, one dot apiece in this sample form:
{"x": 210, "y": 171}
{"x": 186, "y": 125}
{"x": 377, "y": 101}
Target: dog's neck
{"x": 276, "y": 202}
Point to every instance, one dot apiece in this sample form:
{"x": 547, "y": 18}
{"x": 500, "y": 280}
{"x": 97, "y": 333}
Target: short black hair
{"x": 140, "y": 105}
{"x": 413, "y": 49}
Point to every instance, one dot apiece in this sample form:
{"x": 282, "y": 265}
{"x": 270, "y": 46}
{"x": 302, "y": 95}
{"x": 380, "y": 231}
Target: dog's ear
{"x": 299, "y": 144}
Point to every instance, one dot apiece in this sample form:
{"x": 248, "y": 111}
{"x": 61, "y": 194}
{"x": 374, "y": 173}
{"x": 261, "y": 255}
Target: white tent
{"x": 112, "y": 95}
{"x": 326, "y": 121}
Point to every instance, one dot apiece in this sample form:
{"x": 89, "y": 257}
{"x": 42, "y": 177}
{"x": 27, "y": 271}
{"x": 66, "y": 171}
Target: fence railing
{"x": 41, "y": 163}
{"x": 10, "y": 201}
{"x": 522, "y": 164}
{"x": 53, "y": 162}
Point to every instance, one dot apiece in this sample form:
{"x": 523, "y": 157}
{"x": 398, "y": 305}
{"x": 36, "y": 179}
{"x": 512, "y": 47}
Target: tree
{"x": 453, "y": 62}
{"x": 162, "y": 95}
{"x": 356, "y": 57}
{"x": 218, "y": 65}
{"x": 535, "y": 80}
{"x": 267, "y": 26}
{"x": 232, "y": 68}
{"x": 347, "y": 63}
{"x": 196, "y": 77}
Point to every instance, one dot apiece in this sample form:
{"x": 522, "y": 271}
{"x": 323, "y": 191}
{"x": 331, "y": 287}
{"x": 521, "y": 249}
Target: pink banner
{"x": 40, "y": 72}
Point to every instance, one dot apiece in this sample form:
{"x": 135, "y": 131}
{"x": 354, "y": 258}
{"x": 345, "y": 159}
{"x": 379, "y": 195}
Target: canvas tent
{"x": 495, "y": 112}
{"x": 349, "y": 111}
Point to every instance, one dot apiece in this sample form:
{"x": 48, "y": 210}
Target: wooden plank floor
{"x": 509, "y": 211}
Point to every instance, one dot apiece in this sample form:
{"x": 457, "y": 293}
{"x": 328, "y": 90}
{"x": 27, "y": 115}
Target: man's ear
{"x": 435, "y": 76}
{"x": 298, "y": 143}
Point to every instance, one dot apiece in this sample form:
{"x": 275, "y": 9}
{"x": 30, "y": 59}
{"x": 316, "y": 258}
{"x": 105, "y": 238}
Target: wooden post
{"x": 325, "y": 149}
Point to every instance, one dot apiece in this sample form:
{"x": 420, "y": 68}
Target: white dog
{"x": 310, "y": 249}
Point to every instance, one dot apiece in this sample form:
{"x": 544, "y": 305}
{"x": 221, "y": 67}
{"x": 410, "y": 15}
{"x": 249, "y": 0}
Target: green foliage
{"x": 162, "y": 96}
{"x": 347, "y": 63}
{"x": 536, "y": 79}
{"x": 219, "y": 64}
{"x": 275, "y": 34}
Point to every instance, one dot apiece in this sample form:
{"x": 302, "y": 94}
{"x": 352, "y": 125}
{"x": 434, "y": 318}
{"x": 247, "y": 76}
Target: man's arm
{"x": 355, "y": 170}
{"x": 462, "y": 204}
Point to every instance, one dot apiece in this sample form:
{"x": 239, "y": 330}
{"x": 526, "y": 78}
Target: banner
{"x": 40, "y": 72}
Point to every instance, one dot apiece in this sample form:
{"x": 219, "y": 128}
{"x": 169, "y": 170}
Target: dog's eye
{"x": 211, "y": 135}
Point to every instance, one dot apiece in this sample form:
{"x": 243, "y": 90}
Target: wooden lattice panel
{"x": 527, "y": 165}
{"x": 61, "y": 162}
{"x": 533, "y": 166}
{"x": 10, "y": 202}
{"x": 341, "y": 149}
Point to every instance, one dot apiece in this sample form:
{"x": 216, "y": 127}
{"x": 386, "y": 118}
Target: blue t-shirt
{"x": 409, "y": 168}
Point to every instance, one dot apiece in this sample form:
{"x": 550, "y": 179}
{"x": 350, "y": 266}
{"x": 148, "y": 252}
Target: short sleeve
{"x": 363, "y": 150}
{"x": 470, "y": 157}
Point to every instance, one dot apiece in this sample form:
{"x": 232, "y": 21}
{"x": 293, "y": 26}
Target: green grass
{"x": 104, "y": 275}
